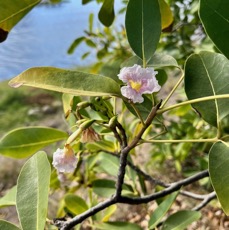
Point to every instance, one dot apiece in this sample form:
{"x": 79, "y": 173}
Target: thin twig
{"x": 193, "y": 195}
{"x": 207, "y": 199}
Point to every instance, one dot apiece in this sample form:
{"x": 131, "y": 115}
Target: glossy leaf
{"x": 166, "y": 14}
{"x": 106, "y": 13}
{"x": 219, "y": 171}
{"x": 207, "y": 74}
{"x": 215, "y": 17}
{"x": 161, "y": 210}
{"x": 5, "y": 225}
{"x": 9, "y": 199}
{"x": 67, "y": 81}
{"x": 117, "y": 226}
{"x": 180, "y": 220}
{"x": 23, "y": 142}
{"x": 33, "y": 191}
{"x": 11, "y": 12}
{"x": 143, "y": 26}
{"x": 75, "y": 204}
{"x": 156, "y": 61}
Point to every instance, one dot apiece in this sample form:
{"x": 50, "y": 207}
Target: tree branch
{"x": 207, "y": 199}
{"x": 118, "y": 198}
{"x": 172, "y": 188}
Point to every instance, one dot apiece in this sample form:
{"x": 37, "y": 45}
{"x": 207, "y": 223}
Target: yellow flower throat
{"x": 135, "y": 85}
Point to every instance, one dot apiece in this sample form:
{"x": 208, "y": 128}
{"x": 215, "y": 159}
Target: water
{"x": 43, "y": 37}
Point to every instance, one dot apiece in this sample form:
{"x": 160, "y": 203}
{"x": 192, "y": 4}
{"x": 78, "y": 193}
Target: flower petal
{"x": 139, "y": 81}
{"x": 64, "y": 160}
{"x": 131, "y": 94}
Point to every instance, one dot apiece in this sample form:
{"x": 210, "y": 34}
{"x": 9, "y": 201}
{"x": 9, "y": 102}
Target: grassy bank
{"x": 26, "y": 106}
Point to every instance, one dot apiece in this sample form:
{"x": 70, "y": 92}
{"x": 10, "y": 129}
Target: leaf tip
{"x": 14, "y": 84}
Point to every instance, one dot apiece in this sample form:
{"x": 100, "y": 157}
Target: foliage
{"x": 106, "y": 126}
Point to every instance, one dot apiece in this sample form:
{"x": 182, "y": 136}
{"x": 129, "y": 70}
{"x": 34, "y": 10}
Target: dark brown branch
{"x": 122, "y": 199}
{"x": 172, "y": 188}
{"x": 67, "y": 225}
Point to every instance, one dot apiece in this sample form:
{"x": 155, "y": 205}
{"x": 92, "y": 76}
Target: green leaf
{"x": 162, "y": 77}
{"x": 117, "y": 226}
{"x": 109, "y": 164}
{"x": 75, "y": 204}
{"x": 23, "y": 142}
{"x": 106, "y": 13}
{"x": 101, "y": 145}
{"x": 109, "y": 212}
{"x": 144, "y": 108}
{"x": 215, "y": 17}
{"x": 5, "y": 225}
{"x": 161, "y": 210}
{"x": 106, "y": 188}
{"x": 143, "y": 27}
{"x": 32, "y": 192}
{"x": 11, "y": 12}
{"x": 9, "y": 199}
{"x": 75, "y": 44}
{"x": 207, "y": 74}
{"x": 180, "y": 220}
{"x": 166, "y": 14}
{"x": 219, "y": 171}
{"x": 156, "y": 61}
{"x": 67, "y": 81}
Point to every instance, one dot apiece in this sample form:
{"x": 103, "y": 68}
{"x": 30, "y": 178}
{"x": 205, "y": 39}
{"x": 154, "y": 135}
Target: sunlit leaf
{"x": 207, "y": 74}
{"x": 219, "y": 171}
{"x": 9, "y": 199}
{"x": 117, "y": 226}
{"x": 75, "y": 204}
{"x": 166, "y": 14}
{"x": 143, "y": 26}
{"x": 67, "y": 81}
{"x": 101, "y": 145}
{"x": 180, "y": 220}
{"x": 106, "y": 13}
{"x": 215, "y": 17}
{"x": 32, "y": 192}
{"x": 5, "y": 225}
{"x": 11, "y": 12}
{"x": 161, "y": 210}
{"x": 24, "y": 142}
{"x": 109, "y": 212}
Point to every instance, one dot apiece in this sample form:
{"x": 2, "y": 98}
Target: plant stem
{"x": 173, "y": 90}
{"x": 222, "y": 96}
{"x": 138, "y": 113}
{"x": 182, "y": 141}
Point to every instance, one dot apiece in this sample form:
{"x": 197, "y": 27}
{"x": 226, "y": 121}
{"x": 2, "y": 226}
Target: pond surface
{"x": 43, "y": 37}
